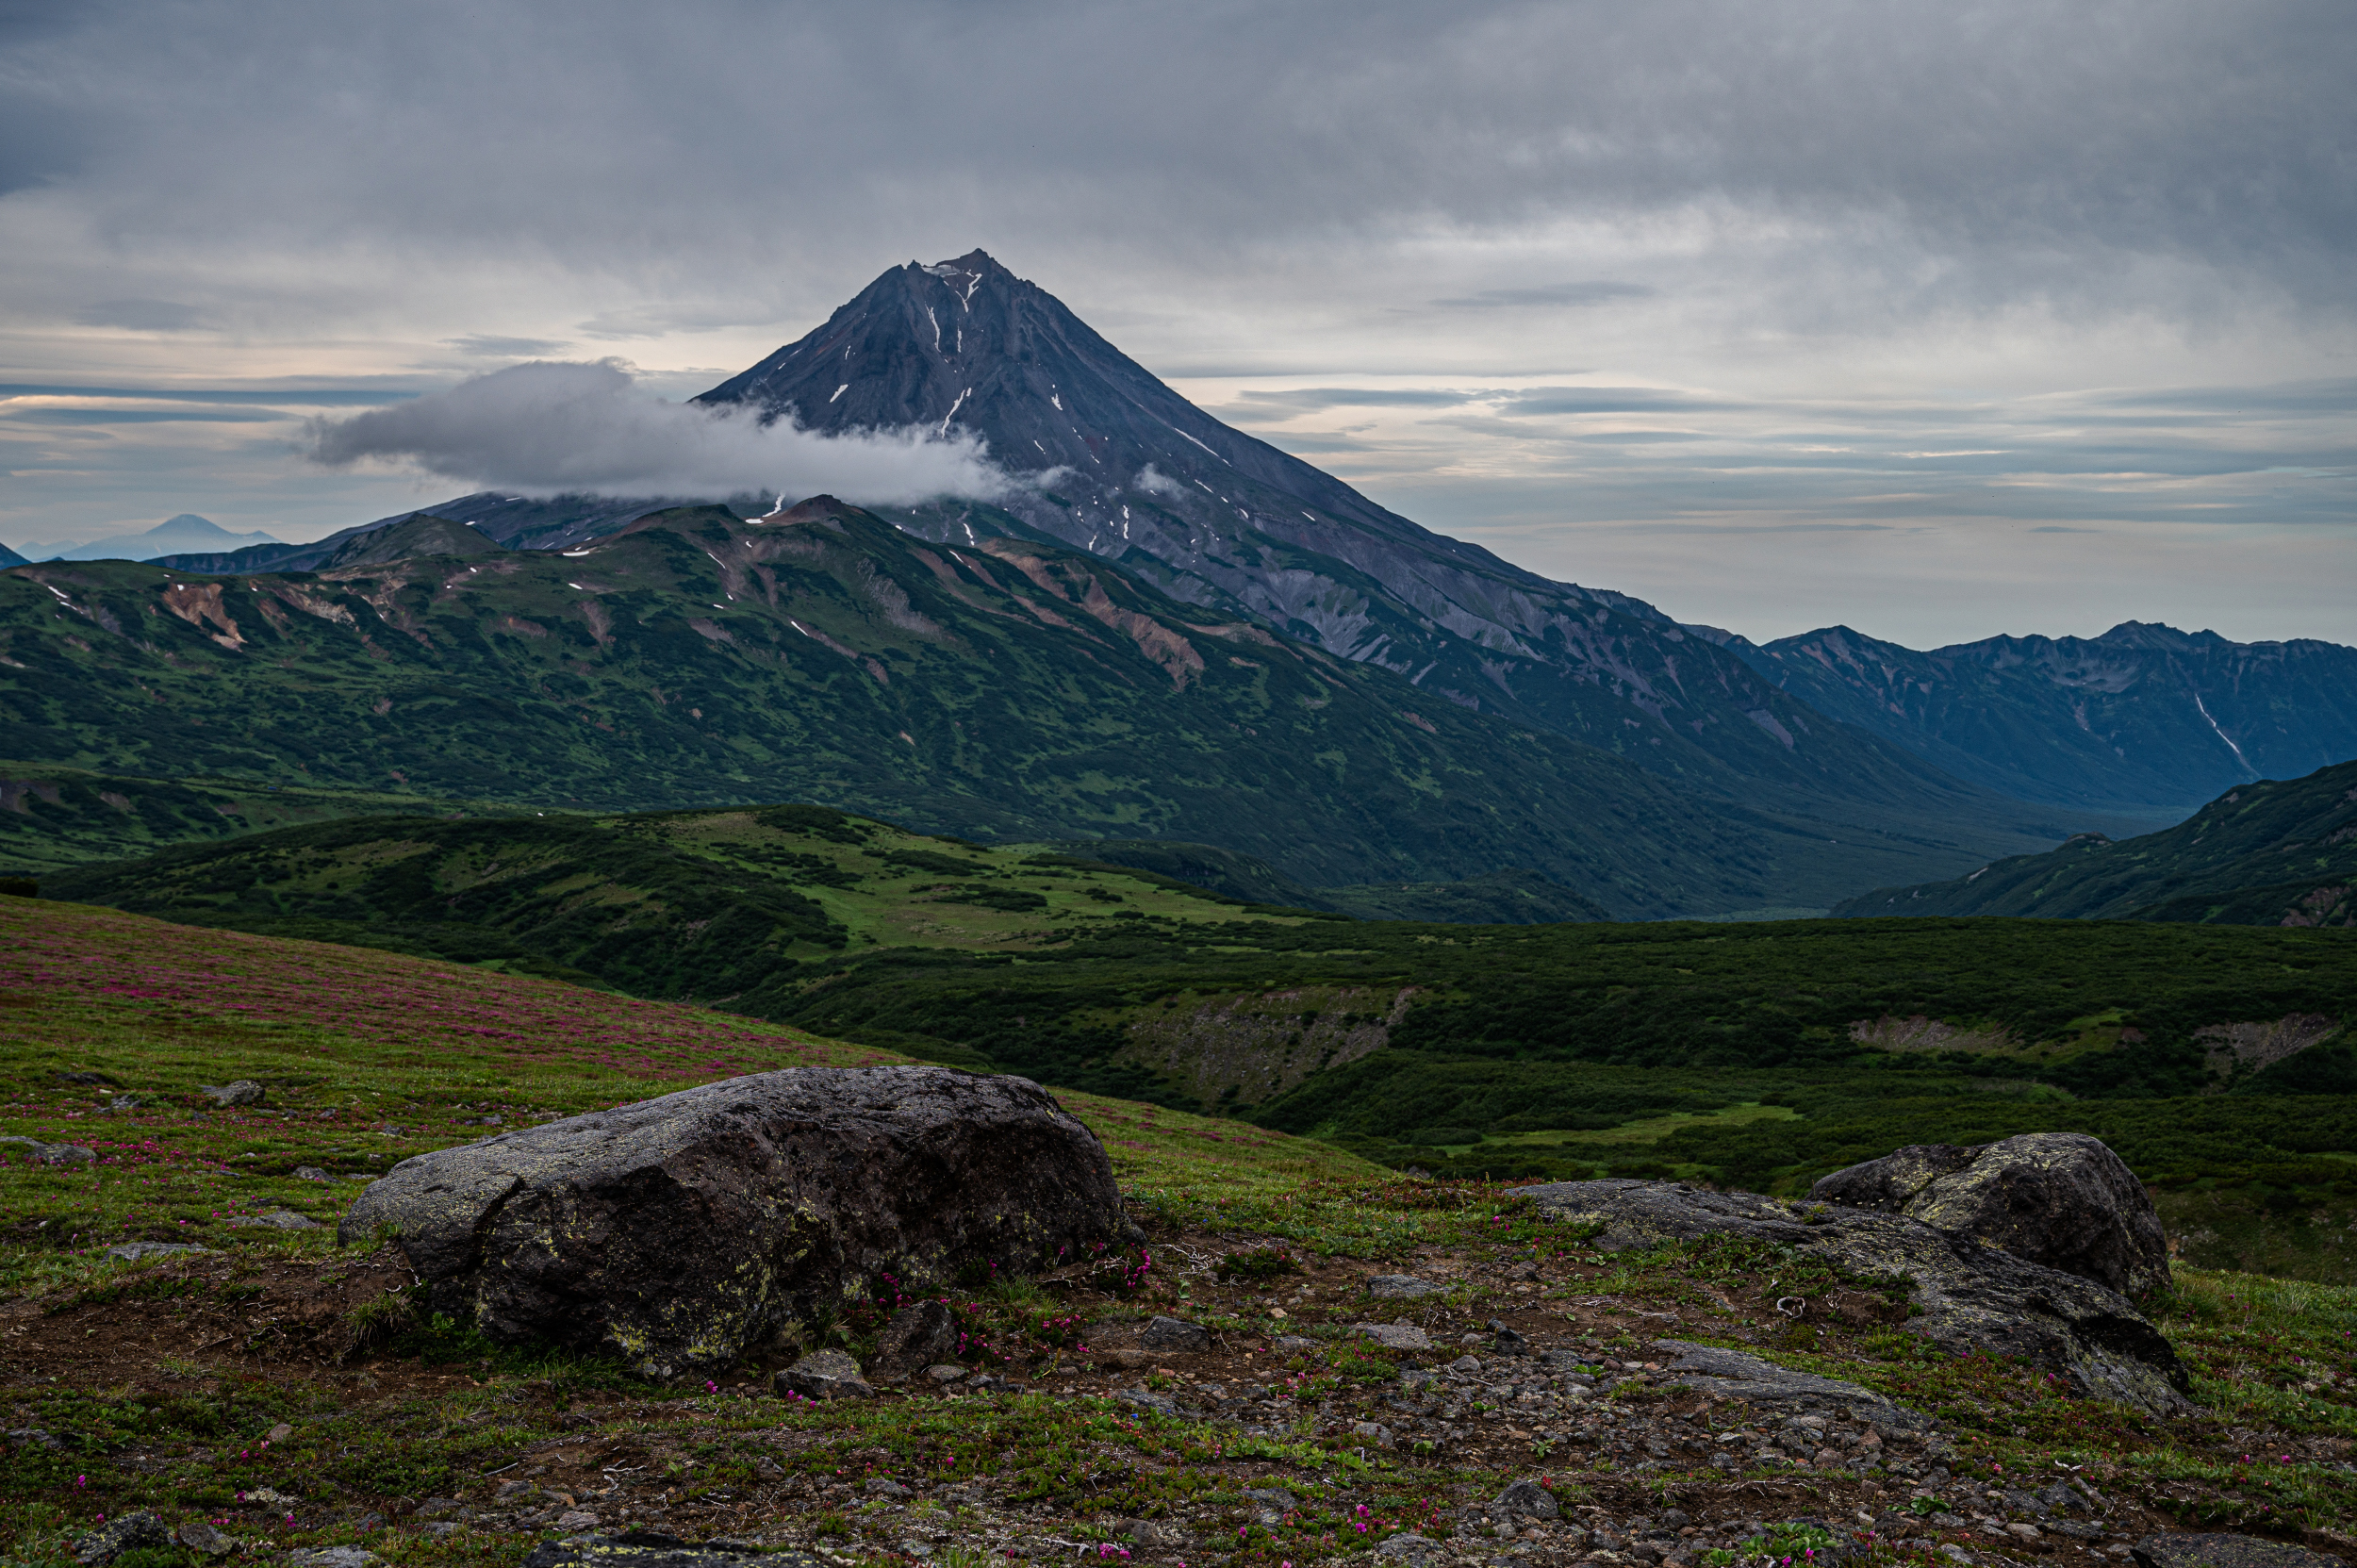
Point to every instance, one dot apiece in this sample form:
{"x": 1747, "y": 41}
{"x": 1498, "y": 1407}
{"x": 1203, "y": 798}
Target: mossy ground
{"x": 159, "y": 1384}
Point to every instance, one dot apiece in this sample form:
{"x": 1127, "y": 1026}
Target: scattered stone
{"x": 332, "y": 1556}
{"x": 128, "y": 1532}
{"x": 86, "y": 1079}
{"x": 1737, "y": 1375}
{"x": 683, "y": 1229}
{"x": 243, "y": 1092}
{"x": 1176, "y": 1333}
{"x": 312, "y": 1173}
{"x": 922, "y": 1334}
{"x": 1969, "y": 1296}
{"x": 653, "y": 1549}
{"x": 945, "y": 1373}
{"x": 54, "y": 1154}
{"x": 2059, "y": 1198}
{"x": 1505, "y": 1340}
{"x": 579, "y": 1519}
{"x": 1131, "y": 1359}
{"x": 201, "y": 1538}
{"x": 131, "y": 1252}
{"x": 1273, "y": 1503}
{"x": 1410, "y": 1547}
{"x": 1295, "y": 1342}
{"x": 1372, "y": 1431}
{"x": 1146, "y": 1398}
{"x": 1525, "y": 1499}
{"x": 279, "y": 1433}
{"x": 882, "y": 1487}
{"x": 2225, "y": 1551}
{"x": 283, "y": 1219}
{"x": 824, "y": 1375}
{"x": 1396, "y": 1336}
{"x": 1466, "y": 1364}
{"x": 1401, "y": 1287}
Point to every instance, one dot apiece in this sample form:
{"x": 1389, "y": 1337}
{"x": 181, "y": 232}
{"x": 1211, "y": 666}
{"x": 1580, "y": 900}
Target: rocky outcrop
{"x": 1965, "y": 1297}
{"x": 680, "y": 1231}
{"x": 2058, "y": 1199}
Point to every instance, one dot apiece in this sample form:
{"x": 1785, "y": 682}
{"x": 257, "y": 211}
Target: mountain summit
{"x": 1124, "y": 468}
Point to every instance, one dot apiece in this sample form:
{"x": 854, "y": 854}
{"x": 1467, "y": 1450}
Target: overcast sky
{"x": 1940, "y": 320}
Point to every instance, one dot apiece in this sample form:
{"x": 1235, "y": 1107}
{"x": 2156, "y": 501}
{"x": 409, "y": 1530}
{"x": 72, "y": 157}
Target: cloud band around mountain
{"x": 572, "y": 428}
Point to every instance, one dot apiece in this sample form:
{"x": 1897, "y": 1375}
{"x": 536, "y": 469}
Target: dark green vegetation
{"x": 2263, "y": 854}
{"x": 1760, "y": 1055}
{"x": 2143, "y": 721}
{"x": 1011, "y": 692}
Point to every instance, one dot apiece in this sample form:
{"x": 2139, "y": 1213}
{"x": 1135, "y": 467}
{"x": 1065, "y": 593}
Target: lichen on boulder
{"x": 2059, "y": 1198}
{"x": 681, "y": 1231}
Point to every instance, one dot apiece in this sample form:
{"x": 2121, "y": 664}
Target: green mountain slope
{"x": 714, "y": 906}
{"x": 53, "y": 818}
{"x": 1012, "y": 691}
{"x": 2268, "y": 854}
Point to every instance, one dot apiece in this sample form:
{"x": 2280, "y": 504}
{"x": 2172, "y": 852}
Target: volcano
{"x": 1121, "y": 466}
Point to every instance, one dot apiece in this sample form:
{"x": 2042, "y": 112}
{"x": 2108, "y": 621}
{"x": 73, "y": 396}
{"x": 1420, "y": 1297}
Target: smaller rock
{"x": 243, "y": 1092}
{"x": 201, "y": 1538}
{"x": 54, "y": 1154}
{"x": 1525, "y": 1499}
{"x": 1133, "y": 1359}
{"x": 1146, "y": 1398}
{"x": 1370, "y": 1431}
{"x": 1295, "y": 1342}
{"x": 279, "y": 1433}
{"x": 128, "y": 1532}
{"x": 579, "y": 1519}
{"x": 1466, "y": 1364}
{"x": 2225, "y": 1551}
{"x": 1175, "y": 1334}
{"x": 945, "y": 1373}
{"x": 923, "y": 1333}
{"x": 1505, "y": 1340}
{"x": 1401, "y": 1287}
{"x": 824, "y": 1375}
{"x": 886, "y": 1487}
{"x": 332, "y": 1556}
{"x": 1273, "y": 1503}
{"x": 283, "y": 1219}
{"x": 312, "y": 1173}
{"x": 1396, "y": 1336}
{"x": 131, "y": 1252}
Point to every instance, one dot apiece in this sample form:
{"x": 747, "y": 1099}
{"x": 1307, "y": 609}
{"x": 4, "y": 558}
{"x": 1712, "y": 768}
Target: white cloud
{"x": 550, "y": 428}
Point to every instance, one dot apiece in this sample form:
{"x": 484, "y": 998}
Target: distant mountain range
{"x": 2270, "y": 853}
{"x": 1891, "y": 764}
{"x": 2143, "y": 720}
{"x": 173, "y": 535}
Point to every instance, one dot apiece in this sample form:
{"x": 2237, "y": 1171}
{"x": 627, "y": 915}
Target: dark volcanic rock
{"x": 922, "y": 1334}
{"x": 652, "y": 1549}
{"x": 1969, "y": 1296}
{"x": 2058, "y": 1199}
{"x": 679, "y": 1232}
{"x": 127, "y": 1532}
{"x": 2225, "y": 1551}
{"x": 1734, "y": 1375}
{"x": 1175, "y": 1333}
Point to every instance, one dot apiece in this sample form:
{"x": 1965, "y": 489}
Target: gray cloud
{"x": 486, "y": 346}
{"x": 1595, "y": 292}
{"x": 2110, "y": 239}
{"x": 142, "y": 315}
{"x": 552, "y": 428}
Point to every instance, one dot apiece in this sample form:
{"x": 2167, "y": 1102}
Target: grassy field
{"x": 286, "y": 1388}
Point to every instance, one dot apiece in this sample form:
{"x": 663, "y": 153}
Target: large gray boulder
{"x": 681, "y": 1231}
{"x": 2058, "y": 1199}
{"x": 1966, "y": 1297}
